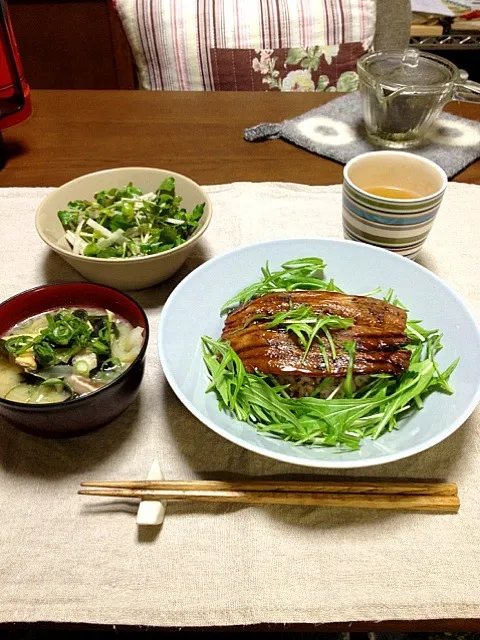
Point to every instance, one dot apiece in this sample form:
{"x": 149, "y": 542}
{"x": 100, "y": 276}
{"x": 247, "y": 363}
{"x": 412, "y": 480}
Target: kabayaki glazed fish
{"x": 378, "y": 331}
{"x": 302, "y": 362}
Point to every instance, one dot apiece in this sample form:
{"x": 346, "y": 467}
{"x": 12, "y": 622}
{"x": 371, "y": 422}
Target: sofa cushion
{"x": 259, "y": 45}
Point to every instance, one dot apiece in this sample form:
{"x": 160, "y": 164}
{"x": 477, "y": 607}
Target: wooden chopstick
{"x": 406, "y": 496}
{"x": 447, "y": 504}
{"x": 388, "y": 488}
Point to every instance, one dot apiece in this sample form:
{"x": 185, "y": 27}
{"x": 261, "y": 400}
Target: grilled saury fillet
{"x": 378, "y": 332}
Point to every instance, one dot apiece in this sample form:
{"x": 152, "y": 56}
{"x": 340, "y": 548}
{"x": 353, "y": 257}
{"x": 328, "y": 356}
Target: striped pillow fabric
{"x": 248, "y": 45}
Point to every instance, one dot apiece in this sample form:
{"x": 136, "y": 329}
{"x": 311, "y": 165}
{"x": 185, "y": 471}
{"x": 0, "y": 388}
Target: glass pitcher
{"x": 403, "y": 92}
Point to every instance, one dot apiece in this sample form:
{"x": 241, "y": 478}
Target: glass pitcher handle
{"x": 467, "y": 91}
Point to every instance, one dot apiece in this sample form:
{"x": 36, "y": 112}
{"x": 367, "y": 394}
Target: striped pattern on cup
{"x": 401, "y": 226}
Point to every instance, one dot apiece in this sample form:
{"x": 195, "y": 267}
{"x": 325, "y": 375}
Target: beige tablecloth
{"x": 67, "y": 558}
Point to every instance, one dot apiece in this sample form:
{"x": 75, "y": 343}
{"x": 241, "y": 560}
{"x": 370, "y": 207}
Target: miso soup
{"x": 65, "y": 353}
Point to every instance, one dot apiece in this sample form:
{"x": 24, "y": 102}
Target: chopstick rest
{"x": 152, "y": 512}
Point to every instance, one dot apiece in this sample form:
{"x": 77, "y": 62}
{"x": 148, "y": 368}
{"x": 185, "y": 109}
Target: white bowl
{"x": 128, "y": 273}
{"x": 356, "y": 268}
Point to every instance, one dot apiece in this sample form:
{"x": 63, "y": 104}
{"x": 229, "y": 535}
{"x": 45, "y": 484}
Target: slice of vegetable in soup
{"x": 10, "y": 376}
{"x": 38, "y": 394}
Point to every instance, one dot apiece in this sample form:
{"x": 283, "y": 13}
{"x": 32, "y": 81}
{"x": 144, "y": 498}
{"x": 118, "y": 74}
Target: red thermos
{"x": 15, "y": 103}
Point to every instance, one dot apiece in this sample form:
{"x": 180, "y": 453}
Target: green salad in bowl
{"x": 125, "y": 223}
{"x": 129, "y": 228}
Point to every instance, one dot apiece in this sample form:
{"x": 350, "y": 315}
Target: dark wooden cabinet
{"x": 72, "y": 44}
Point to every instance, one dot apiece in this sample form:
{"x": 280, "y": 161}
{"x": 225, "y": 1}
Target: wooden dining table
{"x": 198, "y": 134}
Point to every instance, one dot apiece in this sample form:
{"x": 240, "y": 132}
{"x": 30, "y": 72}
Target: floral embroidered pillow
{"x": 316, "y": 68}
{"x": 208, "y": 45}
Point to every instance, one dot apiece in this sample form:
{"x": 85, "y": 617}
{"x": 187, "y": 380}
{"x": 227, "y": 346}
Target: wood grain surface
{"x": 199, "y": 134}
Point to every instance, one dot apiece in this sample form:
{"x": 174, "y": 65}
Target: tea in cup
{"x": 391, "y": 199}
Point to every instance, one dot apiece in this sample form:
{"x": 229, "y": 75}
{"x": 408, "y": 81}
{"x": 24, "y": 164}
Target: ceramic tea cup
{"x": 391, "y": 199}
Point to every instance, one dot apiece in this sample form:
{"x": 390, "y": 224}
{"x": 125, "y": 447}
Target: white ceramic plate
{"x": 193, "y": 310}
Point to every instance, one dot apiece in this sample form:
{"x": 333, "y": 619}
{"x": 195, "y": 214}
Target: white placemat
{"x": 67, "y": 558}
